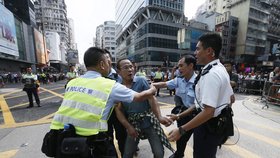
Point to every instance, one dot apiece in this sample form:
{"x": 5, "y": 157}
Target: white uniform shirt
{"x": 214, "y": 89}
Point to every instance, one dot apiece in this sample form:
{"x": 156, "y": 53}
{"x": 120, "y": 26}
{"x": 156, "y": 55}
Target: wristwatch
{"x": 182, "y": 131}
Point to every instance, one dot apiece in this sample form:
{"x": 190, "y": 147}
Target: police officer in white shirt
{"x": 213, "y": 94}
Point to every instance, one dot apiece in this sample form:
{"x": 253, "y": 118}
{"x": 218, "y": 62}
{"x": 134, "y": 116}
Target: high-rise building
{"x": 146, "y": 31}
{"x": 99, "y": 36}
{"x": 227, "y": 26}
{"x": 109, "y": 38}
{"x": 106, "y": 38}
{"x": 72, "y": 41}
{"x": 24, "y": 9}
{"x": 188, "y": 36}
{"x": 18, "y": 39}
{"x": 52, "y": 16}
{"x": 252, "y": 30}
{"x": 273, "y": 36}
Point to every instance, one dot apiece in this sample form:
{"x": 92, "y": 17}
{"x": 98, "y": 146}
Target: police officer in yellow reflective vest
{"x": 31, "y": 84}
{"x": 158, "y": 78}
{"x": 86, "y": 107}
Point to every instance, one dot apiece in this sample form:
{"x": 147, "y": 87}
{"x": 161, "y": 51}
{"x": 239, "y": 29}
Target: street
{"x": 257, "y": 130}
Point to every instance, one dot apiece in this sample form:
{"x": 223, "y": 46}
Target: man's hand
{"x": 174, "y": 135}
{"x": 153, "y": 88}
{"x": 173, "y": 117}
{"x": 132, "y": 132}
{"x": 165, "y": 121}
{"x": 232, "y": 100}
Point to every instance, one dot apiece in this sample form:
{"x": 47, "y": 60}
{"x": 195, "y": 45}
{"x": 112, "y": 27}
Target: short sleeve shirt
{"x": 119, "y": 93}
{"x": 139, "y": 84}
{"x": 214, "y": 89}
{"x": 184, "y": 89}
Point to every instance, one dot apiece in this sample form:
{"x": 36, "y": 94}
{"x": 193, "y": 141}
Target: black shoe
{"x": 39, "y": 105}
{"x": 30, "y": 106}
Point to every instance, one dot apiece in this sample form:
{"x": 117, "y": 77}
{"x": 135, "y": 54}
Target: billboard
{"x": 53, "y": 41}
{"x": 72, "y": 57}
{"x": 40, "y": 47}
{"x": 8, "y": 38}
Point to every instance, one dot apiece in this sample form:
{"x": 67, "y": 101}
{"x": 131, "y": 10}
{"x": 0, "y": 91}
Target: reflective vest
{"x": 71, "y": 75}
{"x": 140, "y": 74}
{"x": 29, "y": 80}
{"x": 158, "y": 75}
{"x": 83, "y": 106}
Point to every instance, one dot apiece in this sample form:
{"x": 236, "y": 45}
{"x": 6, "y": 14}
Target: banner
{"x": 8, "y": 38}
{"x": 40, "y": 47}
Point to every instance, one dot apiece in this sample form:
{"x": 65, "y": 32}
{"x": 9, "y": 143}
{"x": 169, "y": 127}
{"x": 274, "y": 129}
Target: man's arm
{"x": 160, "y": 84}
{"x": 156, "y": 110}
{"x": 183, "y": 114}
{"x": 130, "y": 129}
{"x": 144, "y": 95}
{"x": 206, "y": 114}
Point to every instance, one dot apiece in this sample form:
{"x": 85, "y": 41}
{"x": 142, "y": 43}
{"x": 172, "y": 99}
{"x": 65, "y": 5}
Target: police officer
{"x": 213, "y": 92}
{"x": 31, "y": 86}
{"x": 185, "y": 93}
{"x": 113, "y": 123}
{"x": 158, "y": 78}
{"x": 71, "y": 74}
{"x": 89, "y": 100}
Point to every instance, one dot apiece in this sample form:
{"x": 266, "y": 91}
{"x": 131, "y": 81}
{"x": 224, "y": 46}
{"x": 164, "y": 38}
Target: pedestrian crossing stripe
{"x": 8, "y": 154}
{"x": 257, "y": 125}
{"x": 7, "y": 115}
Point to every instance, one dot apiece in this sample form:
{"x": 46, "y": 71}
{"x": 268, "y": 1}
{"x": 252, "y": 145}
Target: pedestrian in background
{"x": 31, "y": 86}
{"x": 71, "y": 74}
{"x": 158, "y": 78}
{"x": 185, "y": 93}
{"x": 232, "y": 76}
{"x": 213, "y": 95}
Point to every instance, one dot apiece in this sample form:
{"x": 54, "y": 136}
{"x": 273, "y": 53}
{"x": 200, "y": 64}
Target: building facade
{"x": 52, "y": 16}
{"x": 188, "y": 36}
{"x": 99, "y": 36}
{"x": 146, "y": 31}
{"x": 227, "y": 26}
{"x": 106, "y": 38}
{"x": 71, "y": 32}
{"x": 109, "y": 38}
{"x": 258, "y": 29}
{"x": 17, "y": 42}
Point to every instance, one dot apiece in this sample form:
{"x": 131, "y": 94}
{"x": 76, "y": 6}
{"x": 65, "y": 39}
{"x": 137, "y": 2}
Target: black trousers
{"x": 157, "y": 80}
{"x": 205, "y": 143}
{"x": 120, "y": 131}
{"x": 30, "y": 92}
{"x": 182, "y": 142}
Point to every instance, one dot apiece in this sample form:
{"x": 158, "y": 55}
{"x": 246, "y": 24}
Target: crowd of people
{"x": 16, "y": 77}
{"x": 97, "y": 101}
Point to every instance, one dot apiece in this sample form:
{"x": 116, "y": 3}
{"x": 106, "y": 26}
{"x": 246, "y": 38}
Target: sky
{"x": 88, "y": 14}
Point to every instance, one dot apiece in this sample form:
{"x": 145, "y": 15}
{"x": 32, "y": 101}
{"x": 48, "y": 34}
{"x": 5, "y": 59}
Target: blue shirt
{"x": 119, "y": 93}
{"x": 139, "y": 84}
{"x": 184, "y": 89}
